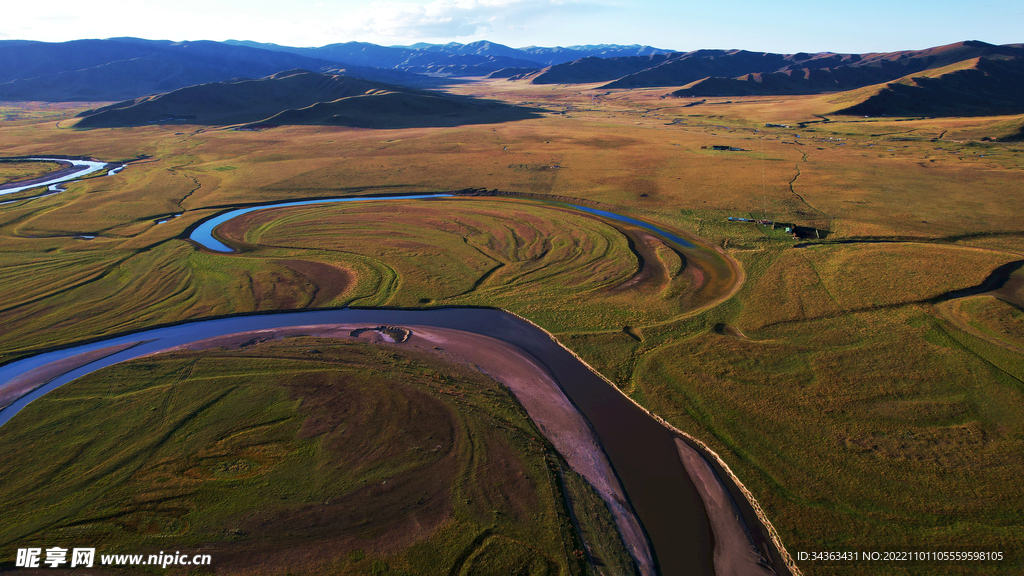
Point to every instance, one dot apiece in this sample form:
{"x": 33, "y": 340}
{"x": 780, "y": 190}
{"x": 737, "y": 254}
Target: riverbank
{"x": 736, "y": 549}
{"x": 533, "y": 386}
{"x": 63, "y": 168}
{"x": 744, "y": 538}
{"x": 73, "y": 169}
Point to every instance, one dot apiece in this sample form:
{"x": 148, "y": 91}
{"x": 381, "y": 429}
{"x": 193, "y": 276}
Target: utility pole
{"x": 764, "y": 182}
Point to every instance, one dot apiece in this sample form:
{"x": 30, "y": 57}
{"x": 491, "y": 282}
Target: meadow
{"x": 302, "y": 455}
{"x": 12, "y": 171}
{"x": 863, "y": 401}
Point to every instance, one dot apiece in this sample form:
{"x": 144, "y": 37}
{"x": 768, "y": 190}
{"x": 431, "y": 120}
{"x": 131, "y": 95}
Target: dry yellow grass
{"x": 14, "y": 171}
{"x": 833, "y": 280}
{"x": 841, "y": 377}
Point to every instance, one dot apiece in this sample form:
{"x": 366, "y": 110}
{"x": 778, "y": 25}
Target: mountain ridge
{"x": 121, "y": 69}
{"x": 473, "y": 59}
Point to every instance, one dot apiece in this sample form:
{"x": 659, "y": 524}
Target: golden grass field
{"x": 863, "y": 410}
{"x": 25, "y": 170}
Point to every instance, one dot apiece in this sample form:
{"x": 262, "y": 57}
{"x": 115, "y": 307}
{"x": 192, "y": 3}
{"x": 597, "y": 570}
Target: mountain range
{"x": 965, "y": 78}
{"x": 123, "y": 68}
{"x": 454, "y": 59}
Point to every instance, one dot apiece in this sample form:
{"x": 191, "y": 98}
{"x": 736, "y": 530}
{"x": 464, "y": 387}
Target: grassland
{"x": 11, "y": 171}
{"x": 305, "y": 455}
{"x": 860, "y": 410}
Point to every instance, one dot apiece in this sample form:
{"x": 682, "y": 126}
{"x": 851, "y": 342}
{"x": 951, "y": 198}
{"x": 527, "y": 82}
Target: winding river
{"x": 645, "y": 453}
{"x": 76, "y": 171}
{"x": 203, "y": 233}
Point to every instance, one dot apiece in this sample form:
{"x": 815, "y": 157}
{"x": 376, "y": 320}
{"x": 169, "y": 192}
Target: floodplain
{"x": 312, "y": 455}
{"x": 864, "y": 384}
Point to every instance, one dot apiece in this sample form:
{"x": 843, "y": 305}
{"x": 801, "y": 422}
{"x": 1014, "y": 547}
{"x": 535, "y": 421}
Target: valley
{"x": 862, "y": 384}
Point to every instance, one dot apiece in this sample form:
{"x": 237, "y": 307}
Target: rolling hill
{"x": 700, "y": 64}
{"x": 302, "y": 97}
{"x": 975, "y": 87}
{"x": 594, "y": 69}
{"x": 964, "y": 78}
{"x": 826, "y": 72}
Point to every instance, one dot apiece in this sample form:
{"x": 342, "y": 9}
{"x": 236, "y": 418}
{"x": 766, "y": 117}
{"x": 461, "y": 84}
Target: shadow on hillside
{"x": 993, "y": 283}
{"x": 1018, "y": 137}
{"x": 480, "y": 111}
{"x": 386, "y": 111}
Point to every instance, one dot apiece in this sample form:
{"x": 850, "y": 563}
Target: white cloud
{"x": 313, "y": 22}
{"x": 401, "y": 21}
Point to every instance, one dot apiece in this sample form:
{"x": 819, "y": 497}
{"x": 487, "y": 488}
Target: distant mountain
{"x": 511, "y": 73}
{"x": 742, "y": 72}
{"x": 539, "y": 54}
{"x": 455, "y": 59}
{"x": 302, "y": 97}
{"x": 122, "y": 68}
{"x": 355, "y": 53}
{"x": 939, "y": 79}
{"x": 559, "y": 55}
{"x": 812, "y": 74}
{"x": 595, "y": 69}
{"x": 477, "y": 59}
{"x": 974, "y": 87}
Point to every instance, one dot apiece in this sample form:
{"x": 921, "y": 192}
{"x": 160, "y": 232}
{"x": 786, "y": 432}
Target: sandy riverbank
{"x": 750, "y": 513}
{"x": 735, "y": 553}
{"x": 37, "y": 377}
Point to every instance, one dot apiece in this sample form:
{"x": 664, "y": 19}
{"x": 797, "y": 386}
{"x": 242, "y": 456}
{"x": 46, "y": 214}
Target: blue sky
{"x": 865, "y": 26}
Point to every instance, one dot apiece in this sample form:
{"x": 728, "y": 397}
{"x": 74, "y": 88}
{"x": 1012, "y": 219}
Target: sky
{"x": 785, "y": 27}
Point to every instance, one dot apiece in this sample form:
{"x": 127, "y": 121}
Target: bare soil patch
{"x": 652, "y": 272}
{"x": 330, "y": 281}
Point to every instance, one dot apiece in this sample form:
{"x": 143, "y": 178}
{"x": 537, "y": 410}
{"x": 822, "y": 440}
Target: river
{"x": 79, "y": 169}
